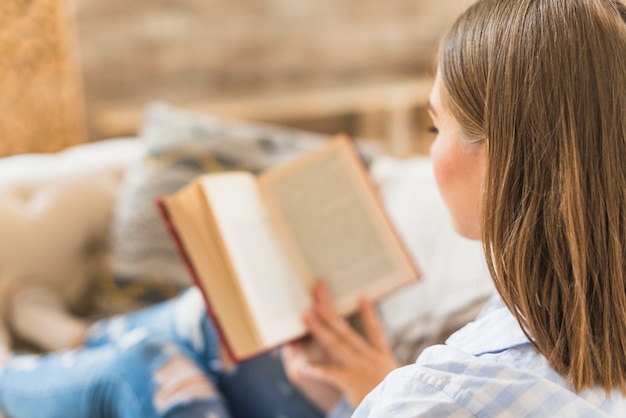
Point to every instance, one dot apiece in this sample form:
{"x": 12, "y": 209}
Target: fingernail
{"x": 323, "y": 291}
{"x": 317, "y": 290}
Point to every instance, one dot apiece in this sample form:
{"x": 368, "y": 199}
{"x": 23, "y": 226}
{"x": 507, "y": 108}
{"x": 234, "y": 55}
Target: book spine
{"x": 182, "y": 252}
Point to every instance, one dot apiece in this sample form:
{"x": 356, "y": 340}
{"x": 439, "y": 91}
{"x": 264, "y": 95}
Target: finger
{"x": 292, "y": 350}
{"x": 308, "y": 348}
{"x": 339, "y": 349}
{"x": 330, "y": 374}
{"x": 326, "y": 310}
{"x": 294, "y": 362}
{"x": 321, "y": 294}
{"x": 288, "y": 356}
{"x": 373, "y": 327}
{"x": 338, "y": 325}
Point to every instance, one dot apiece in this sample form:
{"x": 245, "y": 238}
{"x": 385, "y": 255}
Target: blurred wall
{"x": 138, "y": 50}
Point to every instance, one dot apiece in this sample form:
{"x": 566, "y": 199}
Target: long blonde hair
{"x": 543, "y": 82}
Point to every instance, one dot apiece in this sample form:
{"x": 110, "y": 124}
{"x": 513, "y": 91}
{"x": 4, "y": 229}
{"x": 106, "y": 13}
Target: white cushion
{"x": 54, "y": 214}
{"x": 36, "y": 170}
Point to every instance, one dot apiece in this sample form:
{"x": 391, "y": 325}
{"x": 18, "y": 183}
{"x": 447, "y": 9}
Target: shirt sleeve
{"x": 400, "y": 396}
{"x": 341, "y": 410}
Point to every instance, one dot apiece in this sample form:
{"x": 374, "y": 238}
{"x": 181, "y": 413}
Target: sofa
{"x": 82, "y": 224}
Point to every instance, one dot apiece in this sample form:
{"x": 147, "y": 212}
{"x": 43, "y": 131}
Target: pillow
{"x": 54, "y": 216}
{"x": 179, "y": 146}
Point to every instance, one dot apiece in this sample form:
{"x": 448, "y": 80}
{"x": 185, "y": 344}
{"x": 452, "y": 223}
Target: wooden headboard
{"x": 41, "y": 95}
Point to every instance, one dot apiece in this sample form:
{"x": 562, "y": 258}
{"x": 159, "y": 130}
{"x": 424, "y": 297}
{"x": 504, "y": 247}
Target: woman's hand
{"x": 297, "y": 358}
{"x": 349, "y": 363}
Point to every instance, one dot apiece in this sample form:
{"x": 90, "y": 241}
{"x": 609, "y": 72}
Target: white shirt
{"x": 486, "y": 369}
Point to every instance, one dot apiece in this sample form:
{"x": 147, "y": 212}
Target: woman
{"x": 530, "y": 109}
{"x": 530, "y": 157}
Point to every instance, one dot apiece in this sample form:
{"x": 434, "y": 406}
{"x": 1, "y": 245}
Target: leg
{"x": 40, "y": 317}
{"x": 139, "y": 377}
{"x": 258, "y": 387}
{"x": 183, "y": 320}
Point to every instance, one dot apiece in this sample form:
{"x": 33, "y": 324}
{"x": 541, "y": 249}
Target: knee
{"x": 169, "y": 378}
{"x": 179, "y": 381}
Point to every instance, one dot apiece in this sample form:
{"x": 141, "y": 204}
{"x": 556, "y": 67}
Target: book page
{"x": 334, "y": 218}
{"x": 268, "y": 277}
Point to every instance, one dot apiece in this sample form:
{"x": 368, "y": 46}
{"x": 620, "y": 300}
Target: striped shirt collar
{"x": 495, "y": 330}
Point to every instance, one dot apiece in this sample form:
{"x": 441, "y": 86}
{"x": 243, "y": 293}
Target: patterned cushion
{"x": 179, "y": 146}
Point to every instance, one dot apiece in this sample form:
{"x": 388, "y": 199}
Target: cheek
{"x": 443, "y": 160}
{"x": 458, "y": 178}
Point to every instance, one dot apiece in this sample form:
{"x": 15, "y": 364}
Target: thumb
{"x": 326, "y": 373}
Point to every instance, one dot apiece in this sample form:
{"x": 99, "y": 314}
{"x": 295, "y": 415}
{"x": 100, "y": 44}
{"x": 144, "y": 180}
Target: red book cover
{"x": 180, "y": 247}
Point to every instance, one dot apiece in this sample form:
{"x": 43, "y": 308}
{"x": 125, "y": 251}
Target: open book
{"x": 255, "y": 245}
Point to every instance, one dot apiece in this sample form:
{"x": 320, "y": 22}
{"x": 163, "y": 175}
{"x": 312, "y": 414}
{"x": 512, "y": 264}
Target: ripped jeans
{"x": 159, "y": 362}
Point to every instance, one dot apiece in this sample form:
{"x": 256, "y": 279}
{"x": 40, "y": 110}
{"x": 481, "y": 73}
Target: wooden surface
{"x": 388, "y": 103}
